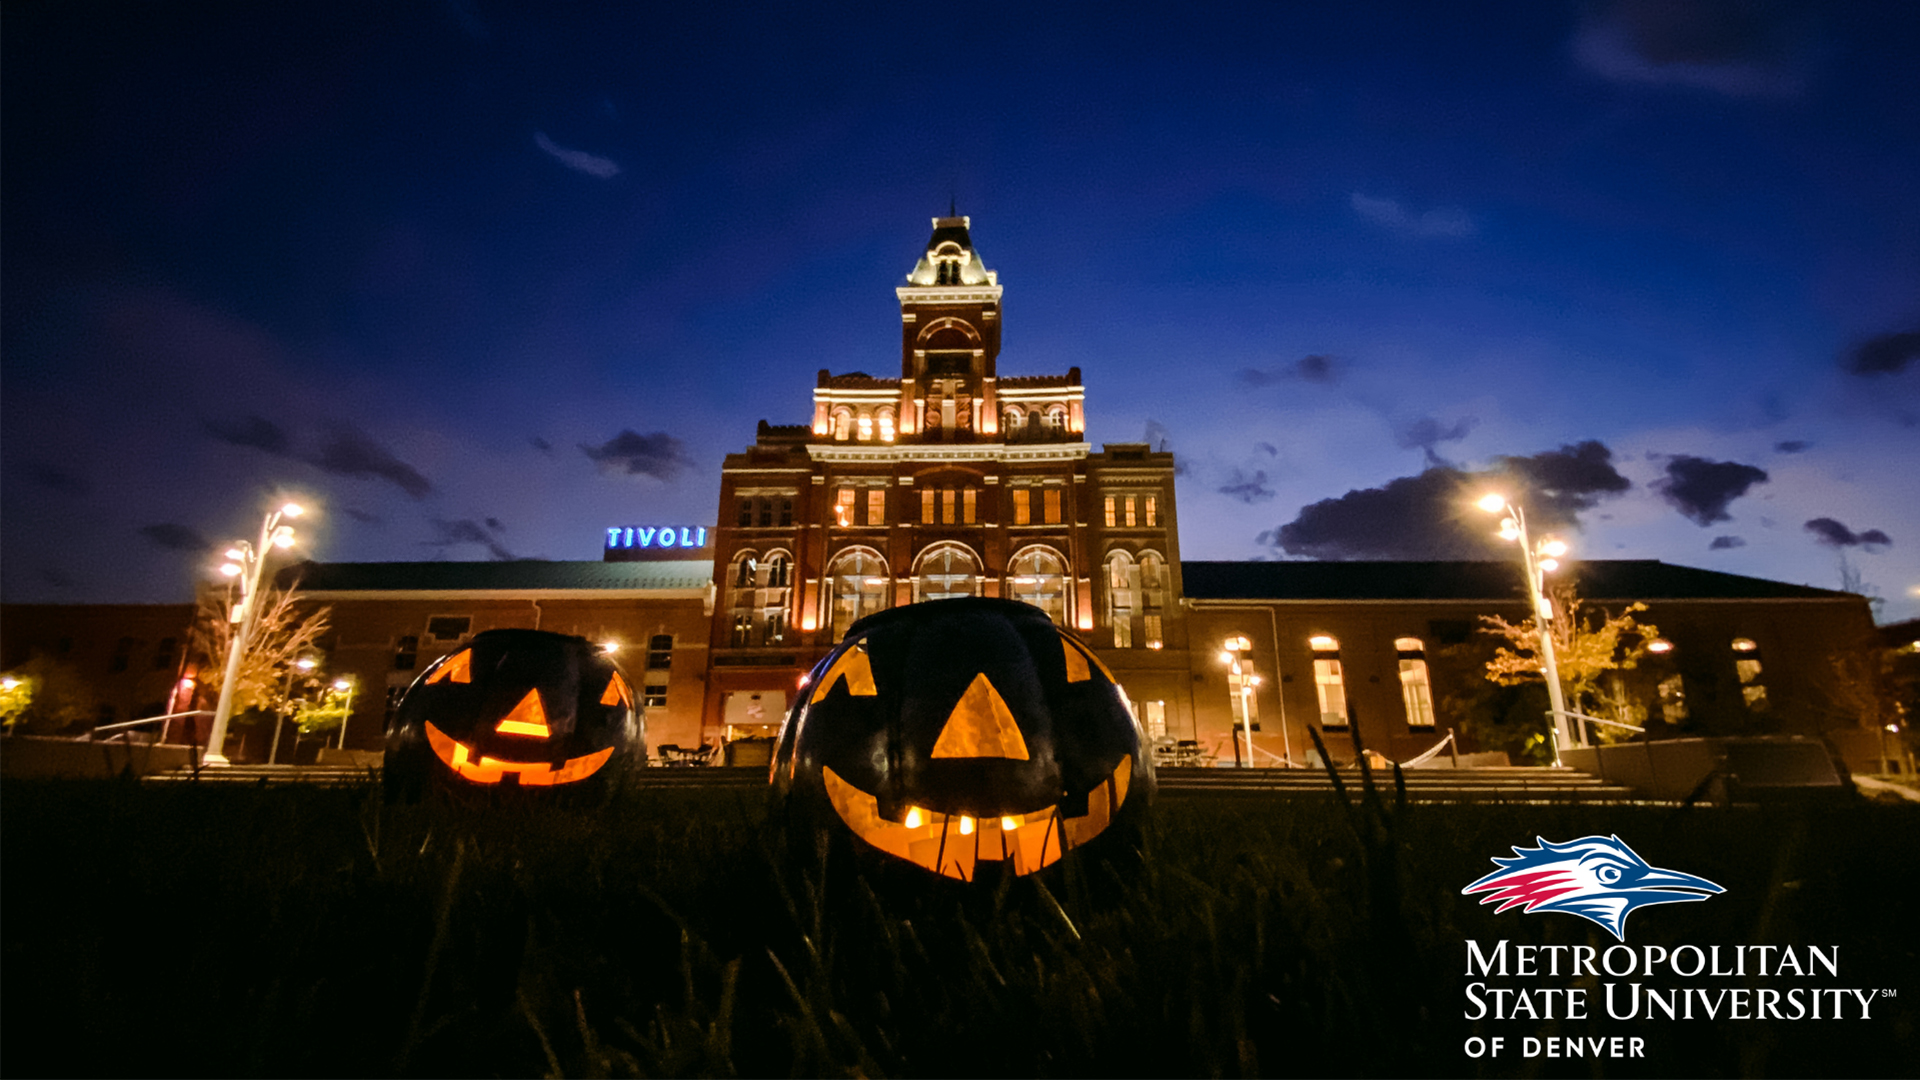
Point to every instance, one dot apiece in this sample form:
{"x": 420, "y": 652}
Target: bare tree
{"x": 1591, "y": 646}
{"x": 286, "y": 630}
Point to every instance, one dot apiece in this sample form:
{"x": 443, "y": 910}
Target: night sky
{"x": 480, "y": 280}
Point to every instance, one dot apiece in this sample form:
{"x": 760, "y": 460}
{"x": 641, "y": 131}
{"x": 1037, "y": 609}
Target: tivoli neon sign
{"x": 666, "y": 536}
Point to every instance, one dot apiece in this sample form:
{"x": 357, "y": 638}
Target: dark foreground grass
{"x": 294, "y": 931}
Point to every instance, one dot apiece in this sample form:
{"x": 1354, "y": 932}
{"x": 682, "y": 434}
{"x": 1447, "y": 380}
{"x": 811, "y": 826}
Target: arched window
{"x": 858, "y": 582}
{"x": 1037, "y": 576}
{"x": 1416, "y": 692}
{"x": 1056, "y": 420}
{"x": 1123, "y": 597}
{"x": 1329, "y": 681}
{"x": 946, "y": 571}
{"x": 758, "y": 598}
{"x": 1013, "y": 423}
{"x": 884, "y": 420}
{"x": 864, "y": 427}
{"x": 1153, "y": 598}
{"x": 842, "y": 423}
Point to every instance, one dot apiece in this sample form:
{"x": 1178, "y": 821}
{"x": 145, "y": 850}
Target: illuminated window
{"x": 970, "y": 505}
{"x": 1328, "y": 682}
{"x": 842, "y": 424}
{"x": 757, "y": 600}
{"x": 1153, "y": 717}
{"x": 858, "y": 581}
{"x": 926, "y": 506}
{"x": 1152, "y": 513}
{"x": 865, "y": 426}
{"x": 1416, "y": 692}
{"x": 946, "y": 507}
{"x": 1038, "y": 577}
{"x": 1746, "y": 665}
{"x": 1110, "y": 513}
{"x": 1013, "y": 423}
{"x": 885, "y": 419}
{"x": 1153, "y": 597}
{"x": 1130, "y": 517}
{"x": 946, "y": 571}
{"x": 876, "y": 506}
{"x": 1022, "y": 506}
{"x": 1673, "y": 700}
{"x": 1052, "y": 497}
{"x": 1123, "y": 597}
{"x": 743, "y": 568}
{"x": 843, "y": 506}
{"x": 1056, "y": 419}
{"x": 779, "y": 570}
{"x": 655, "y": 696}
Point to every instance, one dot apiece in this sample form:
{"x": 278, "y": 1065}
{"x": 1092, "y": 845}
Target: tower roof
{"x": 949, "y": 258}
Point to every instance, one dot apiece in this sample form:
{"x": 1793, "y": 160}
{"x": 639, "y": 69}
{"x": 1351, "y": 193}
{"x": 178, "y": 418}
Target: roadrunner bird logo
{"x": 1596, "y": 877}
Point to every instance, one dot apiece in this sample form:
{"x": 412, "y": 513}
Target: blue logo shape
{"x": 1598, "y": 878}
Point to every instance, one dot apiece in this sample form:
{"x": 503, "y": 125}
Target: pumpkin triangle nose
{"x": 527, "y": 718}
{"x": 981, "y": 725}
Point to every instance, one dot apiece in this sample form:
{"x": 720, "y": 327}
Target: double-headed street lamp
{"x": 245, "y": 562}
{"x": 1538, "y": 560}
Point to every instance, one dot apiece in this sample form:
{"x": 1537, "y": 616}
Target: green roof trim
{"x": 521, "y": 575}
{"x": 1597, "y": 579}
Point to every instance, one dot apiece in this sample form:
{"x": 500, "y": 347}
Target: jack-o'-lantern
{"x": 515, "y": 708}
{"x": 960, "y": 733}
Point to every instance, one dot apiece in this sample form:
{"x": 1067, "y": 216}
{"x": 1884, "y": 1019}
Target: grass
{"x": 296, "y": 931}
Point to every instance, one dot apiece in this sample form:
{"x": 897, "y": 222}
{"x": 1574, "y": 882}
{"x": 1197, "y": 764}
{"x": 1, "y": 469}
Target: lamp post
{"x": 1537, "y": 561}
{"x": 305, "y": 664}
{"x": 245, "y": 561}
{"x": 1243, "y": 671}
{"x": 348, "y": 684}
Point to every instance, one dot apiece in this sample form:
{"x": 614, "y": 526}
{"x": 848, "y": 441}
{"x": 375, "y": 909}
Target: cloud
{"x": 256, "y": 432}
{"x": 1247, "y": 487}
{"x": 1427, "y": 433}
{"x": 363, "y": 516}
{"x": 1833, "y": 534}
{"x": 577, "y": 160}
{"x": 1726, "y": 543}
{"x": 57, "y": 479}
{"x": 171, "y": 537}
{"x": 1738, "y": 48}
{"x": 1448, "y": 221}
{"x": 540, "y": 444}
{"x": 1701, "y": 489}
{"x": 1267, "y": 448}
{"x": 350, "y": 453}
{"x": 1792, "y": 446}
{"x": 467, "y": 531}
{"x": 630, "y": 453}
{"x": 1431, "y": 515}
{"x": 1885, "y": 354}
{"x": 1313, "y": 368}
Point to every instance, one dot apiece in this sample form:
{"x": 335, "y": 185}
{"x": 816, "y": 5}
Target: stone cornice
{"x": 873, "y": 455}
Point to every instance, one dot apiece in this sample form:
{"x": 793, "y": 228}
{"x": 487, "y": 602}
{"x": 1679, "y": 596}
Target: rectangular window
{"x": 406, "y": 653}
{"x": 660, "y": 652}
{"x": 449, "y": 627}
{"x": 1122, "y": 628}
{"x": 1333, "y": 692}
{"x": 1130, "y": 520}
{"x": 1052, "y": 497}
{"x": 1153, "y": 631}
{"x": 1751, "y": 688}
{"x": 656, "y": 696}
{"x": 926, "y": 506}
{"x": 1416, "y": 692}
{"x": 843, "y": 506}
{"x": 766, "y": 513}
{"x": 946, "y": 507}
{"x": 970, "y": 505}
{"x": 1022, "y": 506}
{"x": 742, "y": 630}
{"x": 876, "y": 506}
{"x": 746, "y": 513}
{"x": 1110, "y": 514}
{"x": 786, "y": 511}
{"x": 1673, "y": 700}
{"x": 1153, "y": 717}
{"x": 164, "y": 656}
{"x": 1152, "y": 515}
{"x": 776, "y": 625}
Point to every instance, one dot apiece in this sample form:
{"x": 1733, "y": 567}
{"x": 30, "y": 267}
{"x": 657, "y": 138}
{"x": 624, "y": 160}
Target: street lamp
{"x": 1537, "y": 560}
{"x": 347, "y": 684}
{"x": 1243, "y": 672}
{"x": 245, "y": 561}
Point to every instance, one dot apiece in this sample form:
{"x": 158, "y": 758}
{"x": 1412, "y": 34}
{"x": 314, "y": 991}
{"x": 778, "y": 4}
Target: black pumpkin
{"x": 515, "y": 708}
{"x": 952, "y": 733}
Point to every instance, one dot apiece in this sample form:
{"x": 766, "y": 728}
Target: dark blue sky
{"x": 1660, "y": 261}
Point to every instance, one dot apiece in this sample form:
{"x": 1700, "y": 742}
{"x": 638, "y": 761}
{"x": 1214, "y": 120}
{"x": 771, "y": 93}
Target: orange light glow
{"x": 457, "y": 669}
{"x": 458, "y": 756}
{"x": 617, "y": 692}
{"x": 527, "y": 718}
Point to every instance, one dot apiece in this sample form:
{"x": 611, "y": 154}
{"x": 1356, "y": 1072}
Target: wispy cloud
{"x": 577, "y": 160}
{"x": 1833, "y": 534}
{"x": 1441, "y": 221}
{"x": 1313, "y": 368}
{"x": 630, "y": 453}
{"x": 1731, "y": 47}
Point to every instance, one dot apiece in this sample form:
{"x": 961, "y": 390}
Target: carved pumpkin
{"x": 957, "y": 733}
{"x": 515, "y": 708}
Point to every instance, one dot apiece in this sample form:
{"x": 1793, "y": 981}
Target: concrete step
{"x": 1422, "y": 785}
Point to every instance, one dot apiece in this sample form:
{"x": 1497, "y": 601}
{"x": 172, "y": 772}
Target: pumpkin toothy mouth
{"x": 459, "y": 757}
{"x": 954, "y": 844}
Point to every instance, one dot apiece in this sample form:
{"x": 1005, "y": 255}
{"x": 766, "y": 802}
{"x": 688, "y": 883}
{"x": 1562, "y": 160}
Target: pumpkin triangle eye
{"x": 617, "y": 692}
{"x": 457, "y": 669}
{"x": 853, "y": 666}
{"x": 527, "y": 718}
{"x": 981, "y": 725}
{"x": 1077, "y": 669}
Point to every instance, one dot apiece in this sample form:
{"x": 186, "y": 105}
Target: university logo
{"x": 1596, "y": 877}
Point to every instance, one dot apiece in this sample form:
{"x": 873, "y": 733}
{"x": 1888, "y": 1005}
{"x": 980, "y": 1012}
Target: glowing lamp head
{"x": 9, "y": 683}
{"x": 293, "y": 510}
{"x": 1659, "y": 645}
{"x": 305, "y": 663}
{"x": 235, "y": 554}
{"x": 1554, "y": 548}
{"x": 231, "y": 569}
{"x": 1549, "y": 565}
{"x": 1492, "y": 503}
{"x": 1509, "y": 531}
{"x": 283, "y": 538}
{"x": 342, "y": 684}
{"x": 609, "y": 647}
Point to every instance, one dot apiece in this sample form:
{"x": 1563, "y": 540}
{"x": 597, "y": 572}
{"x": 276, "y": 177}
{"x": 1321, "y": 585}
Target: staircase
{"x": 1515, "y": 785}
{"x": 754, "y": 776}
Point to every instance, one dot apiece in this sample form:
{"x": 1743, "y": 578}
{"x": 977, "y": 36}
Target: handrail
{"x": 1598, "y": 720}
{"x": 125, "y": 730}
{"x": 130, "y": 724}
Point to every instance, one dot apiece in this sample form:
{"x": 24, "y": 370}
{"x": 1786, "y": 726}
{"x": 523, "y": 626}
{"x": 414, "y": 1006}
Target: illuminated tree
{"x": 48, "y": 697}
{"x": 1592, "y": 646}
{"x": 285, "y": 631}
